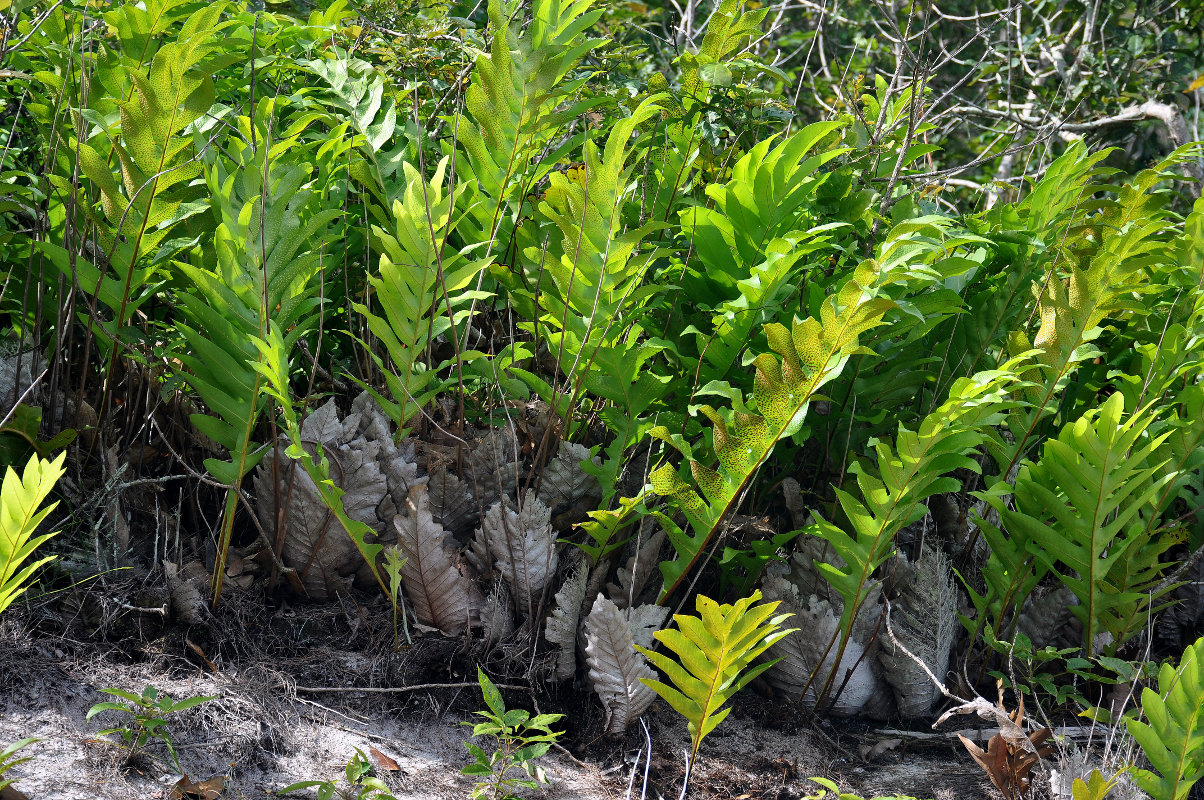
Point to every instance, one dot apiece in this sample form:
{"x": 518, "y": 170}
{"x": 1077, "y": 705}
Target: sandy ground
{"x": 262, "y": 732}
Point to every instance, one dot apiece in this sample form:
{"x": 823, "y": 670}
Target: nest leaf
{"x": 800, "y": 653}
{"x": 440, "y": 594}
{"x": 523, "y": 546}
{"x": 561, "y": 627}
{"x": 492, "y": 466}
{"x": 452, "y": 504}
{"x": 615, "y": 667}
{"x": 565, "y": 480}
{"x": 925, "y": 622}
{"x": 634, "y": 576}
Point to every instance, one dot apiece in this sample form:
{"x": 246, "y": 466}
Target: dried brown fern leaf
{"x": 633, "y": 577}
{"x": 615, "y": 667}
{"x": 452, "y": 503}
{"x": 523, "y": 546}
{"x": 439, "y": 593}
{"x": 564, "y": 481}
{"x": 561, "y": 627}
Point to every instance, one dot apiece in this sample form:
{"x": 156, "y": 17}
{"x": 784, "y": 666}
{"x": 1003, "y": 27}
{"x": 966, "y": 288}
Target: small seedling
{"x": 361, "y": 785}
{"x": 520, "y": 740}
{"x": 7, "y": 760}
{"x": 148, "y": 718}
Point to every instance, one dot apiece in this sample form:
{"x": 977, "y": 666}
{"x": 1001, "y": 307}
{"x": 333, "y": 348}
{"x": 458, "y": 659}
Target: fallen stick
{"x": 401, "y": 689}
{"x": 984, "y": 734}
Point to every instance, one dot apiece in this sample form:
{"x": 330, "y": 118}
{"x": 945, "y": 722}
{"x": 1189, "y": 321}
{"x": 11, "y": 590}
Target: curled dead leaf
{"x": 869, "y": 752}
{"x": 382, "y": 761}
{"x": 187, "y": 789}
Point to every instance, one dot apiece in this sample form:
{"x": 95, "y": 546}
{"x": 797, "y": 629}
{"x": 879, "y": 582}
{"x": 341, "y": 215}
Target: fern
{"x": 593, "y": 292}
{"x": 715, "y": 653}
{"x": 750, "y": 243}
{"x": 440, "y": 594}
{"x": 21, "y": 501}
{"x": 420, "y": 290}
{"x": 1121, "y": 244}
{"x": 1173, "y": 737}
{"x": 267, "y": 252}
{"x": 358, "y": 91}
{"x": 810, "y": 355}
{"x": 516, "y": 102}
{"x": 1089, "y": 508}
{"x": 155, "y": 163}
{"x": 8, "y": 760}
{"x": 916, "y": 468}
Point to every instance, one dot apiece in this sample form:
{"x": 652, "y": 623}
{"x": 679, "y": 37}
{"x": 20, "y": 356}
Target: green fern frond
{"x": 514, "y": 102}
{"x": 268, "y": 247}
{"x": 916, "y": 468}
{"x": 421, "y": 289}
{"x": 809, "y": 356}
{"x": 358, "y": 90}
{"x": 8, "y": 760}
{"x": 1089, "y": 510}
{"x": 1111, "y": 254}
{"x": 715, "y": 653}
{"x": 21, "y": 513}
{"x": 593, "y": 291}
{"x": 751, "y": 241}
{"x": 1173, "y": 736}
{"x": 141, "y": 169}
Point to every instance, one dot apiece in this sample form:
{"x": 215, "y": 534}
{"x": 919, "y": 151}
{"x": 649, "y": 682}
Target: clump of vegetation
{"x": 532, "y": 323}
{"x": 146, "y": 719}
{"x": 519, "y": 741}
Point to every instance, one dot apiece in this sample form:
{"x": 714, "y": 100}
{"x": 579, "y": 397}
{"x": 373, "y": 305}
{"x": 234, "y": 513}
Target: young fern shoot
{"x": 715, "y": 653}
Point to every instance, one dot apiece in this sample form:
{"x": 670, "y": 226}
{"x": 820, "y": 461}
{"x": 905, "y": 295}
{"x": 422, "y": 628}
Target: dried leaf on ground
{"x": 382, "y": 761}
{"x": 187, "y": 789}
